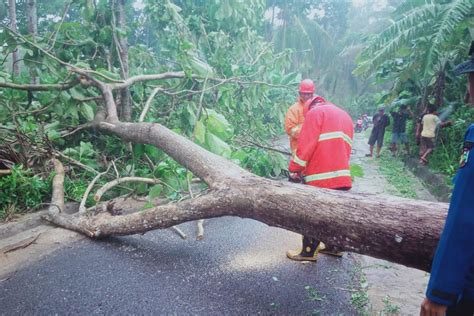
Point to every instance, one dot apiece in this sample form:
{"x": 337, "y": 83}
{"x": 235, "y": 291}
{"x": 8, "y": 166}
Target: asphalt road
{"x": 239, "y": 268}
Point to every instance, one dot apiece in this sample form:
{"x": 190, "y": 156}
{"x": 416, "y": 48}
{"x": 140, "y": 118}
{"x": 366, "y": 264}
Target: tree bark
{"x": 399, "y": 230}
{"x": 125, "y": 97}
{"x": 395, "y": 229}
{"x": 15, "y": 58}
{"x": 33, "y": 32}
{"x": 439, "y": 88}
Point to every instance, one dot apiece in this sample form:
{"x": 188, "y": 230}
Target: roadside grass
{"x": 397, "y": 175}
{"x": 359, "y": 296}
{"x": 389, "y": 307}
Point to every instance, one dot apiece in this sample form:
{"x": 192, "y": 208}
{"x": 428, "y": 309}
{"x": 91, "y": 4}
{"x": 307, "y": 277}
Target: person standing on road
{"x": 430, "y": 122}
{"x": 322, "y": 160}
{"x": 451, "y": 287}
{"x": 399, "y": 127}
{"x": 294, "y": 118}
{"x": 380, "y": 121}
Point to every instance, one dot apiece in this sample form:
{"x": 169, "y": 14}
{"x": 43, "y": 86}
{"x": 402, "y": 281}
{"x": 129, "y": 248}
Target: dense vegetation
{"x": 414, "y": 59}
{"x": 242, "y": 61}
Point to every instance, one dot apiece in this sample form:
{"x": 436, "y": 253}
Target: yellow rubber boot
{"x": 309, "y": 252}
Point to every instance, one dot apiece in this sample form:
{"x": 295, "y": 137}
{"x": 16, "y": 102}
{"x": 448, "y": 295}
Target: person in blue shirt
{"x": 451, "y": 287}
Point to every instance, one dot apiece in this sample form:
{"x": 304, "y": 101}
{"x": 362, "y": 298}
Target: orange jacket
{"x": 293, "y": 121}
{"x": 324, "y": 147}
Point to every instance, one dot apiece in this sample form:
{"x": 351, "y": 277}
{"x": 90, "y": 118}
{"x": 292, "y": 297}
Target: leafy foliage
{"x": 423, "y": 34}
{"x": 413, "y": 59}
{"x": 215, "y": 39}
{"x": 21, "y": 190}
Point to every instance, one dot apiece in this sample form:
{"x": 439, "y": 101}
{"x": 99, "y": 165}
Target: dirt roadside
{"x": 392, "y": 289}
{"x": 30, "y": 245}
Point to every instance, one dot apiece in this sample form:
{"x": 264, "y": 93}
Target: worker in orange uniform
{"x": 294, "y": 117}
{"x": 322, "y": 159}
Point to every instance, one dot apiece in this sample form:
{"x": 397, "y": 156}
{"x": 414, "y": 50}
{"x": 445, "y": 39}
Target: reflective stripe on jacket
{"x": 324, "y": 147}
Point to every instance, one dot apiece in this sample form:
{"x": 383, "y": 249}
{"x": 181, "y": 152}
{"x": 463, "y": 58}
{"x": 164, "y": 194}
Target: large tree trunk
{"x": 33, "y": 32}
{"x": 15, "y": 58}
{"x": 399, "y": 230}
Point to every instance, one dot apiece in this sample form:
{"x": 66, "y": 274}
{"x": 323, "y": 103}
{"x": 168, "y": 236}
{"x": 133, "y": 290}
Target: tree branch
{"x": 283, "y": 152}
{"x": 82, "y": 206}
{"x": 205, "y": 165}
{"x": 74, "y": 161}
{"x": 57, "y": 199}
{"x": 40, "y": 87}
{"x": 118, "y": 181}
{"x": 130, "y": 81}
{"x": 163, "y": 216}
{"x": 148, "y": 103}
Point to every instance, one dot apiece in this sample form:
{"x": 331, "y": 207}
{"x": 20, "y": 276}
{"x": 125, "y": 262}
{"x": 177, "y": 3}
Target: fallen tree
{"x": 396, "y": 229}
{"x": 399, "y": 230}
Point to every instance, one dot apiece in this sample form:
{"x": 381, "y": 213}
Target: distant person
{"x": 399, "y": 126}
{"x": 430, "y": 123}
{"x": 419, "y": 127}
{"x": 322, "y": 160}
{"x": 294, "y": 116}
{"x": 380, "y": 121}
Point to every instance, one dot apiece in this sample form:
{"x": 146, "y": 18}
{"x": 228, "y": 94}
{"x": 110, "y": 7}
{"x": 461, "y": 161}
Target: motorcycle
{"x": 359, "y": 126}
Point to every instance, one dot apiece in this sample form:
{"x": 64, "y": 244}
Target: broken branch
{"x": 118, "y": 181}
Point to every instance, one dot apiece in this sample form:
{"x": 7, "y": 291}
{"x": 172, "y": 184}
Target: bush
{"x": 21, "y": 190}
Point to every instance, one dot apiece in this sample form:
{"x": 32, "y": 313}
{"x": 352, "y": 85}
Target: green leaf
{"x": 71, "y": 152}
{"x": 76, "y": 93}
{"x": 217, "y": 145}
{"x": 200, "y": 67}
{"x": 87, "y": 111}
{"x": 109, "y": 74}
{"x": 53, "y": 135}
{"x": 153, "y": 152}
{"x": 141, "y": 188}
{"x": 200, "y": 133}
{"x": 356, "y": 171}
{"x": 148, "y": 205}
{"x": 86, "y": 149}
{"x": 155, "y": 191}
{"x": 291, "y": 78}
{"x": 218, "y": 125}
{"x": 82, "y": 65}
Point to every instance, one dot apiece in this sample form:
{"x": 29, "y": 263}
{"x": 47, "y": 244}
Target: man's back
{"x": 325, "y": 146}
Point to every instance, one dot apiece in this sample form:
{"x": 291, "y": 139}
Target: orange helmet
{"x": 307, "y": 86}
